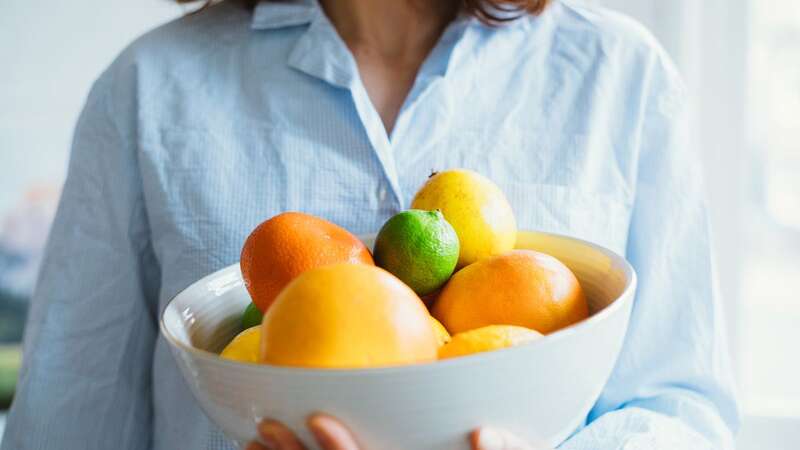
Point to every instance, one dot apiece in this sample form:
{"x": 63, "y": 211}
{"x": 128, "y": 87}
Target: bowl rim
{"x": 626, "y": 296}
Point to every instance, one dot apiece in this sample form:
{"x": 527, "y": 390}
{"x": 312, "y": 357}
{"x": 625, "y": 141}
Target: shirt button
{"x": 382, "y": 194}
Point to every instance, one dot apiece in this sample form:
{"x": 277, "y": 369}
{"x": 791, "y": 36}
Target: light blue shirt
{"x": 207, "y": 126}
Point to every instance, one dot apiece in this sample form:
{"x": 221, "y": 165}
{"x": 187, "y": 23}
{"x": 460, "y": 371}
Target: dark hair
{"x": 490, "y": 12}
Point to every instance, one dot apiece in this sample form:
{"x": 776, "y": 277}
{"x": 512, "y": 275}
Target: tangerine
{"x": 522, "y": 287}
{"x": 287, "y": 245}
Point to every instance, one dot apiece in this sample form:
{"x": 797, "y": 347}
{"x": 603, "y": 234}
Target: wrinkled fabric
{"x": 205, "y": 127}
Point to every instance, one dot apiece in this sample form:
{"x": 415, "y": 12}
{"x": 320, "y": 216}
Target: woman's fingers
{"x": 488, "y": 438}
{"x": 276, "y": 436}
{"x": 255, "y": 446}
{"x": 330, "y": 433}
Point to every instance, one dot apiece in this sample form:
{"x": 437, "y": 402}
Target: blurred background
{"x": 742, "y": 62}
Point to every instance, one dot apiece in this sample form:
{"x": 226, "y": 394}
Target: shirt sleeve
{"x": 88, "y": 347}
{"x": 672, "y": 386}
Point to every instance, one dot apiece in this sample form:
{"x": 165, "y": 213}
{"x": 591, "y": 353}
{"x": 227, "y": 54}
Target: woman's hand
{"x": 330, "y": 434}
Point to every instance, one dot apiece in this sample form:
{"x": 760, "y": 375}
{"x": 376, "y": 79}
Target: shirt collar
{"x": 285, "y": 13}
{"x": 320, "y": 52}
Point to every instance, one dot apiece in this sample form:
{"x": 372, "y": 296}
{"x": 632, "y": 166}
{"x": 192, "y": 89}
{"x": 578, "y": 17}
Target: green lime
{"x": 418, "y": 247}
{"x": 251, "y": 317}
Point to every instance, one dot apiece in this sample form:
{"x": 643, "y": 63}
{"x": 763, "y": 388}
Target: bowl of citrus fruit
{"x": 446, "y": 319}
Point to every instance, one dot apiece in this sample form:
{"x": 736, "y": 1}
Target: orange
{"x": 347, "y": 316}
{"x": 521, "y": 287}
{"x": 486, "y": 339}
{"x": 287, "y": 245}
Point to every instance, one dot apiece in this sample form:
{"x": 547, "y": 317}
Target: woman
{"x": 340, "y": 108}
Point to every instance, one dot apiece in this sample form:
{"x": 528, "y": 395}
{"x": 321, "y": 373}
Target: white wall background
{"x": 50, "y": 53}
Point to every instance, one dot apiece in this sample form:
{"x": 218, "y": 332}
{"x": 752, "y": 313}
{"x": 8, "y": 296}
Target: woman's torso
{"x": 240, "y": 116}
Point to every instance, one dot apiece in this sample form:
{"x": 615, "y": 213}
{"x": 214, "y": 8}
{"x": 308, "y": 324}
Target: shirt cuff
{"x": 635, "y": 428}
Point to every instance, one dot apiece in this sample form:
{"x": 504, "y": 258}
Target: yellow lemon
{"x": 486, "y": 339}
{"x": 442, "y": 336}
{"x": 475, "y": 207}
{"x": 244, "y": 347}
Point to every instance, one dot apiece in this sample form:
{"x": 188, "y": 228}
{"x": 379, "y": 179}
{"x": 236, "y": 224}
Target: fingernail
{"x": 321, "y": 438}
{"x": 489, "y": 439}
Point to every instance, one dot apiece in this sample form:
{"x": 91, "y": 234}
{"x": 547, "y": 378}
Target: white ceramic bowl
{"x": 541, "y": 391}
